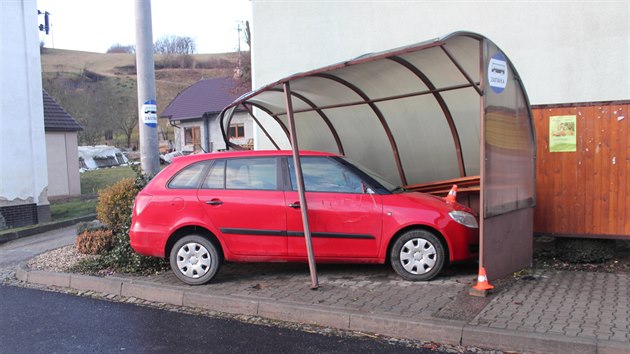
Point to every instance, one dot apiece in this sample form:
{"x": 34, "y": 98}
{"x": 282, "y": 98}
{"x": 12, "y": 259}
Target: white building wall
{"x": 24, "y": 177}
{"x": 238, "y": 118}
{"x": 216, "y": 138}
{"x": 565, "y": 51}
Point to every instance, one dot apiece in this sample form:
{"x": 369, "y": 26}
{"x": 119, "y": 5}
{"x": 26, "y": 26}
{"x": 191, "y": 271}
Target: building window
{"x": 237, "y": 131}
{"x": 192, "y": 136}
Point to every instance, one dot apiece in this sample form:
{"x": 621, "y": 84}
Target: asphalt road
{"x": 35, "y": 321}
{"x": 16, "y": 251}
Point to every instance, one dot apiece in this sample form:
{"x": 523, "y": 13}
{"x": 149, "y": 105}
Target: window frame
{"x": 367, "y": 179}
{"x": 195, "y": 135}
{"x": 278, "y": 172}
{"x": 237, "y": 127}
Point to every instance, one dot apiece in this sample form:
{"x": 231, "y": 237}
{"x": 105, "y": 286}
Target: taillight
{"x": 142, "y": 200}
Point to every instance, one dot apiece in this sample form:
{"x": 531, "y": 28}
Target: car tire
{"x": 417, "y": 255}
{"x": 195, "y": 259}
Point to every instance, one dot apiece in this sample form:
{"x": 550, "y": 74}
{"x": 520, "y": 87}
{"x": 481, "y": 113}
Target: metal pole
{"x": 300, "y": 184}
{"x": 147, "y": 107}
{"x": 483, "y": 52}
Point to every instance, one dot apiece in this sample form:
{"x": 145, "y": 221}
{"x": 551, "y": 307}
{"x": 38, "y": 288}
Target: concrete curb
{"x": 530, "y": 342}
{"x": 429, "y": 329}
{"x": 14, "y": 235}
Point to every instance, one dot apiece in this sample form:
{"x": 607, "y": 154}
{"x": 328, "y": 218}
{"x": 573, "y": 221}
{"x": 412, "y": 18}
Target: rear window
{"x": 251, "y": 173}
{"x": 188, "y": 177}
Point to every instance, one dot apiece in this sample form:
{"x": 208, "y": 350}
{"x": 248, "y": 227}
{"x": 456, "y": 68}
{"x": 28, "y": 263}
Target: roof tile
{"x": 205, "y": 96}
{"x": 56, "y": 118}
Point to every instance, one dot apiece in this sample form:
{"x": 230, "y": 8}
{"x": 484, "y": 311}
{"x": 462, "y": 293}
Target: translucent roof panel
{"x": 464, "y": 106}
{"x": 437, "y": 66}
{"x": 364, "y": 139}
{"x": 462, "y": 48}
{"x": 308, "y": 122}
{"x": 415, "y": 122}
{"x": 381, "y": 79}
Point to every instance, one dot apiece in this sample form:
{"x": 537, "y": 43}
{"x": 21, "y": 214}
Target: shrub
{"x": 115, "y": 203}
{"x": 575, "y": 250}
{"x": 114, "y": 209}
{"x": 123, "y": 258}
{"x": 95, "y": 242}
{"x": 90, "y": 226}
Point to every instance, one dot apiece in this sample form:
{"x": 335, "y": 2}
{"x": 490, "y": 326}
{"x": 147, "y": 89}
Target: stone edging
{"x": 436, "y": 330}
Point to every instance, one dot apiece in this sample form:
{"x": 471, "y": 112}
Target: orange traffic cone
{"x": 452, "y": 195}
{"x": 482, "y": 281}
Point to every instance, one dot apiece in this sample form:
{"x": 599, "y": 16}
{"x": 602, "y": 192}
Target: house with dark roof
{"x": 62, "y": 152}
{"x": 194, "y": 114}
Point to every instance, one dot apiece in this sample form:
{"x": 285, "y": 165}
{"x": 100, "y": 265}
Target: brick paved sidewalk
{"x": 572, "y": 304}
{"x": 361, "y": 288}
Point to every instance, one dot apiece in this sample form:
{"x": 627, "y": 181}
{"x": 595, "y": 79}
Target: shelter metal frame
{"x": 427, "y": 86}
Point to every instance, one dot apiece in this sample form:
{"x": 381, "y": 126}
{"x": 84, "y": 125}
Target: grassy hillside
{"x": 86, "y": 83}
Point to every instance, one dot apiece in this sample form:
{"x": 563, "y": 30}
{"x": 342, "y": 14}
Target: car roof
{"x": 245, "y": 153}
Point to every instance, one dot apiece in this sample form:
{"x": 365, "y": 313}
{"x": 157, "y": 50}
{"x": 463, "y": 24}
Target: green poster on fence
{"x": 562, "y": 131}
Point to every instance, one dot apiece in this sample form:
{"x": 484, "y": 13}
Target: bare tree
{"x": 243, "y": 70}
{"x": 78, "y": 95}
{"x": 248, "y": 35}
{"x": 243, "y": 73}
{"x": 119, "y": 106}
{"x": 175, "y": 45}
{"x": 119, "y": 48}
{"x": 100, "y": 104}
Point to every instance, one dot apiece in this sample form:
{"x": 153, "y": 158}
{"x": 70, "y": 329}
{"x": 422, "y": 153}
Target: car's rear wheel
{"x": 195, "y": 259}
{"x": 417, "y": 255}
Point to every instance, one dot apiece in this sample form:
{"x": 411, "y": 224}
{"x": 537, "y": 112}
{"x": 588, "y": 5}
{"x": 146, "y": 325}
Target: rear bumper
{"x": 148, "y": 241}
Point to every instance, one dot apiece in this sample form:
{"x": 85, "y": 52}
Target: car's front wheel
{"x": 417, "y": 255}
{"x": 195, "y": 259}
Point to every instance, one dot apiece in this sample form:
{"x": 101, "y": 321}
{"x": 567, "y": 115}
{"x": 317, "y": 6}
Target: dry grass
{"x": 169, "y": 82}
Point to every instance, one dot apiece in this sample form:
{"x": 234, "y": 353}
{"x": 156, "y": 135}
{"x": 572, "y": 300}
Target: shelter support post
{"x": 482, "y": 152}
{"x": 300, "y": 184}
{"x": 482, "y": 166}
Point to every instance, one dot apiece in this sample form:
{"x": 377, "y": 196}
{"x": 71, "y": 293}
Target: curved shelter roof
{"x": 446, "y": 108}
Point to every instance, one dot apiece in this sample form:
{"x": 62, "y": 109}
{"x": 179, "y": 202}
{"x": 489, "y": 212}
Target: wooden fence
{"x": 585, "y": 193}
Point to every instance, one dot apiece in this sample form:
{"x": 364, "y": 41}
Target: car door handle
{"x": 295, "y": 205}
{"x": 214, "y": 202}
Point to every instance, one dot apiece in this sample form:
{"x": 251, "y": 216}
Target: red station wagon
{"x": 240, "y": 206}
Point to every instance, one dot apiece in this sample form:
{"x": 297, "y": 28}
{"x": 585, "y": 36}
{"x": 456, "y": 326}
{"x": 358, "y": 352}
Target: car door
{"x": 344, "y": 216}
{"x": 242, "y": 200}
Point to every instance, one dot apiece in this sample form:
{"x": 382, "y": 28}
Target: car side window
{"x": 322, "y": 174}
{"x": 215, "y": 179}
{"x": 188, "y": 177}
{"x": 251, "y": 173}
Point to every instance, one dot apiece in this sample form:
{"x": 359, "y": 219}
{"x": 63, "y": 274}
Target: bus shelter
{"x": 451, "y": 110}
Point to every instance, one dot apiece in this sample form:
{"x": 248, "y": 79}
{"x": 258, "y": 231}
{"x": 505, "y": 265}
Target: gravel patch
{"x": 58, "y": 260}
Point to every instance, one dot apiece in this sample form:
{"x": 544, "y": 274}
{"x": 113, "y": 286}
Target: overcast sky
{"x": 95, "y": 25}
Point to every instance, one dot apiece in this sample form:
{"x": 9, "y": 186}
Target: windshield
{"x": 385, "y": 183}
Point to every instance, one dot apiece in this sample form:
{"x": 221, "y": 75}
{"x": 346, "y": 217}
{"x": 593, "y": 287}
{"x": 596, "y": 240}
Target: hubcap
{"x": 193, "y": 260}
{"x": 418, "y": 256}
